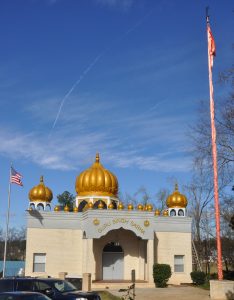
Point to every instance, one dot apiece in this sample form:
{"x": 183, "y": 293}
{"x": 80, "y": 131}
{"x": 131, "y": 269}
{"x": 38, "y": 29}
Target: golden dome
{"x": 120, "y": 206}
{"x": 75, "y": 209}
{"x": 165, "y": 213}
{"x": 130, "y": 206}
{"x": 149, "y": 207}
{"x": 176, "y": 199}
{"x": 140, "y": 207}
{"x": 56, "y": 208}
{"x": 100, "y": 205}
{"x": 111, "y": 206}
{"x": 157, "y": 212}
{"x": 66, "y": 208}
{"x": 97, "y": 181}
{"x": 90, "y": 205}
{"x": 40, "y": 192}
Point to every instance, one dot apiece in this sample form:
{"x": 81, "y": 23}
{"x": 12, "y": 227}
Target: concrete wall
{"x": 169, "y": 244}
{"x": 63, "y": 248}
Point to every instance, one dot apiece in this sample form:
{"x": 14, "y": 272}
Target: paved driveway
{"x": 170, "y": 293}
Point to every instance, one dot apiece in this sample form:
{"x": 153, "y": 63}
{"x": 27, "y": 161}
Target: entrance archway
{"x": 112, "y": 262}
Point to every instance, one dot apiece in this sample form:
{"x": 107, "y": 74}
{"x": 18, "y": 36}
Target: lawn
{"x": 108, "y": 296}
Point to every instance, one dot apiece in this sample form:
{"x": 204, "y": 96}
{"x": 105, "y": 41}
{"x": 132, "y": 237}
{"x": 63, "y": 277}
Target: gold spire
{"x": 97, "y": 158}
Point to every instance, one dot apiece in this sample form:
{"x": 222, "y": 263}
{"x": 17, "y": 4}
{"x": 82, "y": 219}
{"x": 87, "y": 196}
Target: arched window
{"x": 181, "y": 213}
{"x": 40, "y": 206}
{"x": 82, "y": 205}
{"x": 48, "y": 208}
{"x": 172, "y": 213}
{"x": 95, "y": 206}
{"x": 32, "y": 206}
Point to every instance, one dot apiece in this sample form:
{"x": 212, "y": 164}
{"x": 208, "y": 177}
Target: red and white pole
{"x": 211, "y": 53}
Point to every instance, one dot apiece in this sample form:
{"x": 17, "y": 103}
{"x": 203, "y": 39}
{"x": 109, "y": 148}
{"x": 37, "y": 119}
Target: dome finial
{"x": 42, "y": 179}
{"x": 176, "y": 187}
{"x": 97, "y": 157}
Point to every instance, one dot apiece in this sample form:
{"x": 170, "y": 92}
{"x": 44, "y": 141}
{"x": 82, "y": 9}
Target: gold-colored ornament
{"x": 140, "y": 206}
{"x": 100, "y": 205}
{"x": 57, "y": 208}
{"x": 75, "y": 209}
{"x": 66, "y": 208}
{"x": 176, "y": 199}
{"x": 130, "y": 206}
{"x": 149, "y": 207}
{"x": 157, "y": 212}
{"x": 40, "y": 192}
{"x": 96, "y": 222}
{"x": 146, "y": 223}
{"x": 120, "y": 206}
{"x": 90, "y": 205}
{"x": 97, "y": 181}
{"x": 165, "y": 213}
{"x": 111, "y": 206}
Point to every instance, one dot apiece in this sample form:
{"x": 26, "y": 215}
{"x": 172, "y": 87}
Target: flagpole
{"x": 214, "y": 155}
{"x": 7, "y": 225}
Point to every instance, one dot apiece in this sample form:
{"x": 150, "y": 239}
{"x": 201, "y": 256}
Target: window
{"x": 181, "y": 213}
{"x": 179, "y": 263}
{"x": 173, "y": 213}
{"x": 24, "y": 285}
{"x": 6, "y": 285}
{"x": 39, "y": 260}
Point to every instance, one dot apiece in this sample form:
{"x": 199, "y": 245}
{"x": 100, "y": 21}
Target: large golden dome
{"x": 176, "y": 199}
{"x": 40, "y": 192}
{"x": 97, "y": 181}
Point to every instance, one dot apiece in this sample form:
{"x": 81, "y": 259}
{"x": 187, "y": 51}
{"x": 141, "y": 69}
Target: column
{"x": 150, "y": 260}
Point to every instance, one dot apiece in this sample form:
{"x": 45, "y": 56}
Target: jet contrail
{"x": 92, "y": 64}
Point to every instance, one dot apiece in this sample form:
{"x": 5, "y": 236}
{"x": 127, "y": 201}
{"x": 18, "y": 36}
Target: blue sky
{"x": 119, "y": 77}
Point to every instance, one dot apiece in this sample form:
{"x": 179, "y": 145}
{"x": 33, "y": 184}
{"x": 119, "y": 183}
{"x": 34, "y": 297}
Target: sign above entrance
{"x": 102, "y": 225}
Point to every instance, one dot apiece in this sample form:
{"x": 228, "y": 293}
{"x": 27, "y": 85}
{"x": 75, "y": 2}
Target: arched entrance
{"x": 112, "y": 262}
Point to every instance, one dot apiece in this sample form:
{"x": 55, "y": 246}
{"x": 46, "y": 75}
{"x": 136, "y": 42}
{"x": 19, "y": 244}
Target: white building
{"x": 104, "y": 238}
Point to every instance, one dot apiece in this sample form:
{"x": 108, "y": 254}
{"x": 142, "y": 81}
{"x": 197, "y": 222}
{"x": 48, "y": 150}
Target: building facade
{"x": 102, "y": 237}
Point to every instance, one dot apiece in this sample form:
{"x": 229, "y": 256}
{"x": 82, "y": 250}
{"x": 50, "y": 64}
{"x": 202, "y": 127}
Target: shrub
{"x": 161, "y": 274}
{"x": 198, "y": 277}
{"x": 228, "y": 275}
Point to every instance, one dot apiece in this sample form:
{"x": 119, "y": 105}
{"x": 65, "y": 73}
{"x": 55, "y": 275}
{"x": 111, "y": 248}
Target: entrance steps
{"x": 121, "y": 284}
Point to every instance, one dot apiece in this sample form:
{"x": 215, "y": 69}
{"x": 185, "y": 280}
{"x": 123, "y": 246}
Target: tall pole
{"x": 211, "y": 53}
{"x": 7, "y": 225}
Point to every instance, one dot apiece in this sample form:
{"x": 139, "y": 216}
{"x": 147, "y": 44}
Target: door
{"x": 112, "y": 265}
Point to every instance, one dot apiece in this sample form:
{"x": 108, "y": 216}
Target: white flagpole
{"x": 7, "y": 225}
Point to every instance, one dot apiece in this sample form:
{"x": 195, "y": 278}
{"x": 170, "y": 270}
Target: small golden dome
{"x": 176, "y": 199}
{"x": 97, "y": 181}
{"x": 90, "y": 205}
{"x": 100, "y": 205}
{"x": 165, "y": 213}
{"x": 149, "y": 207}
{"x": 130, "y": 206}
{"x": 66, "y": 208}
{"x": 146, "y": 223}
{"x": 157, "y": 212}
{"x": 120, "y": 206}
{"x": 140, "y": 206}
{"x": 111, "y": 206}
{"x": 57, "y": 208}
{"x": 40, "y": 192}
{"x": 75, "y": 209}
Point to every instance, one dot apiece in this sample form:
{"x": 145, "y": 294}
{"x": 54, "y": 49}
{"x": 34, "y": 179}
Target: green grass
{"x": 108, "y": 296}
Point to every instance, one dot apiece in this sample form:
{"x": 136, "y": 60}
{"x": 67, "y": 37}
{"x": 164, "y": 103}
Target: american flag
{"x": 16, "y": 177}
